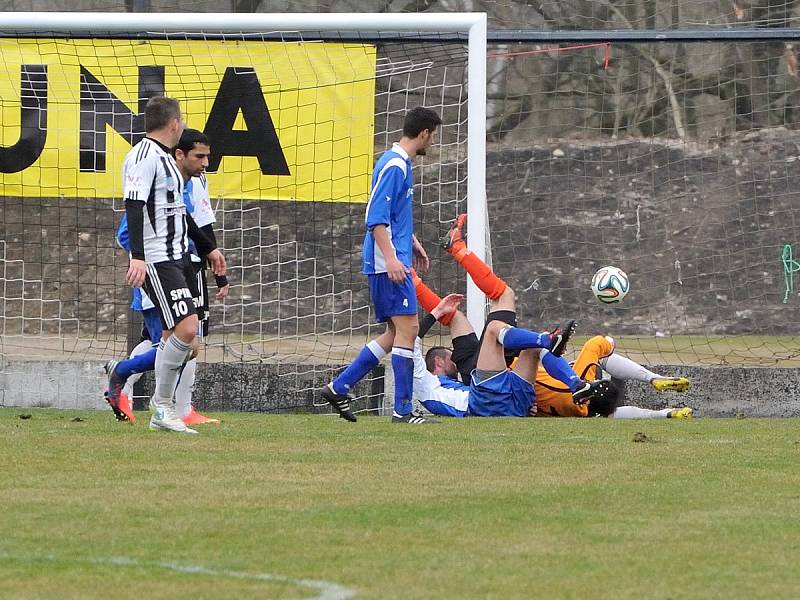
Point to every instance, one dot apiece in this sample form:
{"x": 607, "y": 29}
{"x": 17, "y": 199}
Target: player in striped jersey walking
{"x": 159, "y": 229}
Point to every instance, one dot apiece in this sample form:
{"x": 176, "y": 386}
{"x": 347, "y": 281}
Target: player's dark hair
{"x": 418, "y": 119}
{"x": 159, "y": 111}
{"x": 434, "y": 353}
{"x": 606, "y": 404}
{"x": 191, "y": 137}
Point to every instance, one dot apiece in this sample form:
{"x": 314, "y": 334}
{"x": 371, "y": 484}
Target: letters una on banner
{"x": 287, "y": 121}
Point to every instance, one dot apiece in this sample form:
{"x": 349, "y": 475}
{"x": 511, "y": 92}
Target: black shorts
{"x": 202, "y": 288}
{"x": 172, "y": 286}
{"x": 465, "y": 355}
{"x": 467, "y": 347}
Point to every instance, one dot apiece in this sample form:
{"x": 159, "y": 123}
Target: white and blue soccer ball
{"x": 610, "y": 285}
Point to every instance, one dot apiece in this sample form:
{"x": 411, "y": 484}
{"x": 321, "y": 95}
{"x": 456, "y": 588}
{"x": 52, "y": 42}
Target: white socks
{"x": 185, "y": 389}
{"x": 634, "y": 412}
{"x": 171, "y": 355}
{"x": 624, "y": 368}
{"x": 376, "y": 349}
{"x": 141, "y": 348}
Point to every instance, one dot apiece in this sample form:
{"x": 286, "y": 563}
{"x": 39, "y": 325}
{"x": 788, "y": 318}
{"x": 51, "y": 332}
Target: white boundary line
{"x": 327, "y": 590}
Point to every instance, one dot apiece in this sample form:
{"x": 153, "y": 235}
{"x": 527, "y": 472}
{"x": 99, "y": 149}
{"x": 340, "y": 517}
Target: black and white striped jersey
{"x": 150, "y": 175}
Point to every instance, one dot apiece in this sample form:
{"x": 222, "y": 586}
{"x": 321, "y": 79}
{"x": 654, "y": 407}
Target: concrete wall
{"x": 725, "y": 391}
{"x": 219, "y": 386}
{"x": 715, "y": 391}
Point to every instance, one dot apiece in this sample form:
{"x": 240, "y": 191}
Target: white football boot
{"x": 165, "y": 418}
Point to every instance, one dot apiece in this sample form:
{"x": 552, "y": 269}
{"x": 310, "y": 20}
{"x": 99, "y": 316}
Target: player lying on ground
{"x": 495, "y": 390}
{"x": 438, "y": 389}
{"x": 191, "y": 155}
{"x": 490, "y": 388}
{"x": 556, "y": 398}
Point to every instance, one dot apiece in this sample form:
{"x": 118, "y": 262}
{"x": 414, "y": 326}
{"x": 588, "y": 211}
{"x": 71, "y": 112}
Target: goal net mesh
{"x": 295, "y": 125}
{"x": 676, "y": 162}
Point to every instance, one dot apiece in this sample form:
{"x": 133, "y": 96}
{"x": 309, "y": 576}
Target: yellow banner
{"x": 286, "y": 121}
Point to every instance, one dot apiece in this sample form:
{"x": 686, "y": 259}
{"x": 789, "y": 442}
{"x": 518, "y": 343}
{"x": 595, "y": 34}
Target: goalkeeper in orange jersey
{"x": 596, "y": 358}
{"x": 435, "y": 378}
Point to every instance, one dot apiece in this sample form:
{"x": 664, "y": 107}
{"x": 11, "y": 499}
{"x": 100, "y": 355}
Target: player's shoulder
{"x": 391, "y": 160}
{"x": 144, "y": 151}
{"x": 200, "y": 181}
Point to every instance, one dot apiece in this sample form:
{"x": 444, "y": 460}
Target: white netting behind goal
{"x": 676, "y": 162}
{"x": 295, "y": 126}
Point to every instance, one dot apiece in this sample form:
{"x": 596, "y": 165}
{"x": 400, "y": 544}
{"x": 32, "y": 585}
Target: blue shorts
{"x": 152, "y": 321}
{"x": 503, "y": 395}
{"x": 391, "y": 299}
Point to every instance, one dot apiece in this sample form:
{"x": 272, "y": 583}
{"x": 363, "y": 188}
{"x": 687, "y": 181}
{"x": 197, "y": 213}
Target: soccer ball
{"x": 610, "y": 285}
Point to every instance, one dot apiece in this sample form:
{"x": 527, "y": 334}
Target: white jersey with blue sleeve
{"x": 198, "y": 204}
{"x": 450, "y": 399}
{"x": 201, "y": 210}
{"x": 390, "y": 204}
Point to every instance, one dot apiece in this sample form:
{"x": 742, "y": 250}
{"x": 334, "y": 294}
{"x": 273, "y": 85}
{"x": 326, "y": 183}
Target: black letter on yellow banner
{"x": 99, "y": 107}
{"x": 240, "y": 89}
{"x": 33, "y": 121}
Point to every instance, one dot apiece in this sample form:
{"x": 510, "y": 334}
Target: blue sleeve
{"x": 383, "y": 196}
{"x": 122, "y": 234}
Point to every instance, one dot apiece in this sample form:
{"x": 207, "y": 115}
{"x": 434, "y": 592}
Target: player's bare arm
{"x": 421, "y": 261}
{"x": 394, "y": 268}
{"x": 448, "y": 305}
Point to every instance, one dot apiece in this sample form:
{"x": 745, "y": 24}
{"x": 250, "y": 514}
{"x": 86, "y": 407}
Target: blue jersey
{"x": 124, "y": 241}
{"x": 390, "y": 204}
{"x": 187, "y": 200}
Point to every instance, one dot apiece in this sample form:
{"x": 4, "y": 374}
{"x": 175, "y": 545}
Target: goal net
{"x": 677, "y": 162}
{"x": 296, "y": 118}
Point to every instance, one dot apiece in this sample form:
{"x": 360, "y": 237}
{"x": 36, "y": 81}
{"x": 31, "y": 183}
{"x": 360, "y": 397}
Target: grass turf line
{"x": 474, "y": 508}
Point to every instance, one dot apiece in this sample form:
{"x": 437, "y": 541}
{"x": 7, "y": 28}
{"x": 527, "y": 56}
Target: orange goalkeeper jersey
{"x": 553, "y": 398}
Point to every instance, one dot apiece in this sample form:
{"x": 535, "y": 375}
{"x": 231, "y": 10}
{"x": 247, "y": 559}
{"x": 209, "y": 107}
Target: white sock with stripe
{"x": 171, "y": 355}
{"x": 185, "y": 389}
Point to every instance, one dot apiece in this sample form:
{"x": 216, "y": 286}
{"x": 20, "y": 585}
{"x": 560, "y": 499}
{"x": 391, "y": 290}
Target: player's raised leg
{"x": 481, "y": 273}
{"x": 429, "y": 299}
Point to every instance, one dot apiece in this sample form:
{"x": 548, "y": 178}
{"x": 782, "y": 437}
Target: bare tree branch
{"x": 675, "y": 107}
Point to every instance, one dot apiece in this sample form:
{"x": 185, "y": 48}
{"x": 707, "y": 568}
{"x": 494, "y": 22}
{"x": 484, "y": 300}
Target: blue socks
{"x": 403, "y": 368}
{"x": 367, "y": 359}
{"x": 515, "y": 338}
{"x": 140, "y": 363}
{"x": 559, "y": 368}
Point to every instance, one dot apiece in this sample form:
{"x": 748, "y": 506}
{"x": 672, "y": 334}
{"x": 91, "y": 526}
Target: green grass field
{"x": 296, "y": 506}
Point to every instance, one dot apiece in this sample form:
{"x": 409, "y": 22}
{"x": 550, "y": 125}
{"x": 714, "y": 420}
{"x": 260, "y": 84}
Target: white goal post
{"x": 472, "y": 24}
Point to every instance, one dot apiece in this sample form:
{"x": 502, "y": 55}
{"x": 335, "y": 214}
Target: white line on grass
{"x": 327, "y": 590}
